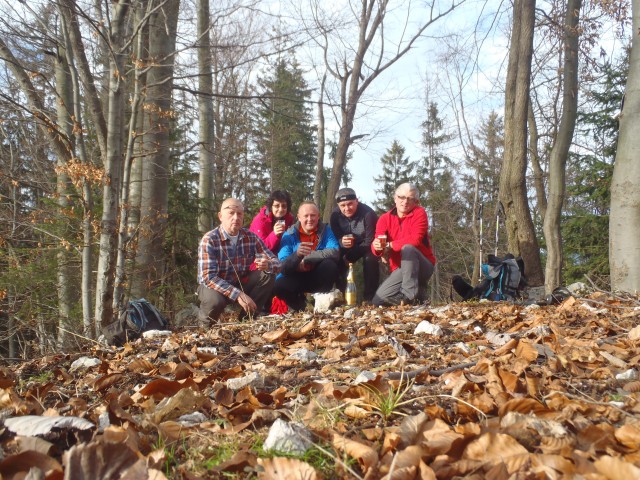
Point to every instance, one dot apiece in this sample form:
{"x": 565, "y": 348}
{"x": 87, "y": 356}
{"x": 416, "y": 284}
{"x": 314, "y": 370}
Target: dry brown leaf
{"x": 306, "y": 328}
{"x": 629, "y": 436}
{"x": 354, "y": 411}
{"x": 616, "y": 469}
{"x": 20, "y": 464}
{"x": 365, "y": 455}
{"x": 493, "y": 448}
{"x": 280, "y": 468}
{"x": 276, "y": 336}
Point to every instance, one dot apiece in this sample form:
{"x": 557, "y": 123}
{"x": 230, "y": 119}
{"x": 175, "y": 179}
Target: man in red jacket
{"x": 403, "y": 234}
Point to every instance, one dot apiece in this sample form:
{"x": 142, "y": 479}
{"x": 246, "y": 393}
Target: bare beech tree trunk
{"x": 513, "y": 189}
{"x": 150, "y": 261}
{"x": 131, "y": 206}
{"x": 538, "y": 172}
{"x": 206, "y": 127}
{"x": 560, "y": 150}
{"x": 64, "y": 108}
{"x": 317, "y": 188}
{"x": 112, "y": 168}
{"x": 87, "y": 195}
{"x": 624, "y": 220}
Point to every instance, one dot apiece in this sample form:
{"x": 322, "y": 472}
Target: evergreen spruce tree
{"x": 396, "y": 169}
{"x": 284, "y": 133}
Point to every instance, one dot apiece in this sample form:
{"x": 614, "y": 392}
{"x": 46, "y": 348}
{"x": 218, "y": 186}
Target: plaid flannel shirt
{"x": 222, "y": 270}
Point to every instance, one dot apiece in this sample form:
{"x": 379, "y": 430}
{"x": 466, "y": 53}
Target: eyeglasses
{"x": 402, "y": 198}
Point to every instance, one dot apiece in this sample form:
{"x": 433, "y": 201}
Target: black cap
{"x": 345, "y": 194}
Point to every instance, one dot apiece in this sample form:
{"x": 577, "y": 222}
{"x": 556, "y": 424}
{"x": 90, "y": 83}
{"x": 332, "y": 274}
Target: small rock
{"x": 253, "y": 379}
{"x": 150, "y": 334}
{"x": 303, "y": 355}
{"x": 498, "y": 339}
{"x": 326, "y": 301}
{"x": 364, "y": 377}
{"x": 464, "y": 347}
{"x": 192, "y": 419}
{"x": 187, "y": 316}
{"x": 579, "y": 288}
{"x": 631, "y": 374}
{"x": 286, "y": 437}
{"x": 84, "y": 363}
{"x": 212, "y": 350}
{"x": 429, "y": 328}
{"x": 350, "y": 313}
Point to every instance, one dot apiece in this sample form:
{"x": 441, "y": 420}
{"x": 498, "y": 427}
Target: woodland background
{"x": 124, "y": 125}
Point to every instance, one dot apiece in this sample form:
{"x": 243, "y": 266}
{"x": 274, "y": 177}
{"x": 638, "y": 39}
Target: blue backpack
{"x": 139, "y": 317}
{"x": 503, "y": 280}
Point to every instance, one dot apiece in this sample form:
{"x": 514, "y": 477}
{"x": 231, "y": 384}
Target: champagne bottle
{"x": 350, "y": 291}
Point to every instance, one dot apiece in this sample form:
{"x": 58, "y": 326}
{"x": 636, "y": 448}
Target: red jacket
{"x": 412, "y": 229}
{"x": 262, "y": 225}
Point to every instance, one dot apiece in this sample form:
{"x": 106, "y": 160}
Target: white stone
{"x": 428, "y": 328}
{"x": 303, "y": 355}
{"x": 326, "y": 301}
{"x": 213, "y": 350}
{"x": 156, "y": 334}
{"x": 463, "y": 346}
{"x": 287, "y": 437}
{"x": 364, "y": 377}
{"x": 83, "y": 363}
{"x": 250, "y": 379}
{"x": 498, "y": 339}
{"x": 350, "y": 313}
{"x": 192, "y": 419}
{"x": 631, "y": 374}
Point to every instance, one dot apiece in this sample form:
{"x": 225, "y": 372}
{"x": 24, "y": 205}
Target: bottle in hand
{"x": 350, "y": 291}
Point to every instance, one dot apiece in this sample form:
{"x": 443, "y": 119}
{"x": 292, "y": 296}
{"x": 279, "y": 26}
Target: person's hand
{"x": 279, "y": 228}
{"x": 261, "y": 261}
{"x": 377, "y": 245}
{"x": 304, "y": 267}
{"x": 347, "y": 241}
{"x": 304, "y": 249}
{"x": 247, "y": 303}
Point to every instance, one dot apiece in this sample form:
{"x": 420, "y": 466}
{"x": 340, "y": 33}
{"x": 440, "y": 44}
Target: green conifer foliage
{"x": 284, "y": 133}
{"x": 396, "y": 169}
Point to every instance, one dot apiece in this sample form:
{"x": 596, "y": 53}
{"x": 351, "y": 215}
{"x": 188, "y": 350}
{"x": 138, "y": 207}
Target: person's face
{"x": 348, "y": 207}
{"x": 308, "y": 216}
{"x": 231, "y": 216}
{"x": 279, "y": 209}
{"x": 405, "y": 201}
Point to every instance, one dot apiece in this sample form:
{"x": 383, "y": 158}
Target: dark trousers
{"x": 413, "y": 274}
{"x": 370, "y": 269}
{"x": 291, "y": 287}
{"x": 258, "y": 285}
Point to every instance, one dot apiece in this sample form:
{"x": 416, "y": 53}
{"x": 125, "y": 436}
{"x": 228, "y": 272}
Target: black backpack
{"x": 139, "y": 317}
{"x": 503, "y": 280}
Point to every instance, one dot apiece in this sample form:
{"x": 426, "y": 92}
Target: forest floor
{"x": 489, "y": 390}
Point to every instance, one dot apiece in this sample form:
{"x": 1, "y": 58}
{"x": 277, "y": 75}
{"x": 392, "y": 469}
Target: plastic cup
{"x": 383, "y": 240}
{"x": 347, "y": 240}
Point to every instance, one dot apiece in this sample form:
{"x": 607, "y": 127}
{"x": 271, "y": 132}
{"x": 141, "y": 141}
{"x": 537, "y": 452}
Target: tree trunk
{"x": 87, "y": 195}
{"x": 150, "y": 261}
{"x": 127, "y": 227}
{"x": 513, "y": 190}
{"x": 624, "y": 220}
{"x": 64, "y": 109}
{"x": 538, "y": 172}
{"x": 112, "y": 168}
{"x": 206, "y": 126}
{"x": 317, "y": 187}
{"x": 560, "y": 150}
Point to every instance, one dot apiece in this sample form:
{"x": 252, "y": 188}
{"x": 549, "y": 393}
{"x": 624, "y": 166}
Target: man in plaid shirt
{"x": 225, "y": 256}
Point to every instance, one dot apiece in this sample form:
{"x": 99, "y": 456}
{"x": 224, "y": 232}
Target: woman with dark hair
{"x": 274, "y": 218}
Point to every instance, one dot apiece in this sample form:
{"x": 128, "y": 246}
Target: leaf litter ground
{"x": 488, "y": 390}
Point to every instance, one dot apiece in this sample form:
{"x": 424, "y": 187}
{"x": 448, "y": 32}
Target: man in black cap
{"x": 354, "y": 225}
